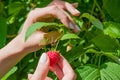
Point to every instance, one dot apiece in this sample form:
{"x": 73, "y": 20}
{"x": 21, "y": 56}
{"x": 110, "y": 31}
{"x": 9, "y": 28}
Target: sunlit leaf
{"x": 69, "y": 36}
{"x": 112, "y": 29}
{"x": 107, "y": 71}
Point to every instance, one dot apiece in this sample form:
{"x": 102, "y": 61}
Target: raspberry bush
{"x": 94, "y": 52}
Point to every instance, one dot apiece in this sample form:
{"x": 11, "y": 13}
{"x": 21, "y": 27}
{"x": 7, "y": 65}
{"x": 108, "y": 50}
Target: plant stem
{"x": 35, "y": 54}
{"x": 57, "y": 44}
{"x": 99, "y": 61}
{"x": 96, "y": 58}
{"x": 99, "y": 9}
{"x": 93, "y": 8}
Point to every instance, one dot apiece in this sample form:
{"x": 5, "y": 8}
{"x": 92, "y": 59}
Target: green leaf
{"x": 37, "y": 26}
{"x": 112, "y": 29}
{"x": 13, "y": 70}
{"x": 112, "y": 56}
{"x": 74, "y": 53}
{"x": 112, "y": 8}
{"x": 1, "y": 8}
{"x": 88, "y": 72}
{"x": 69, "y": 36}
{"x": 107, "y": 71}
{"x": 15, "y": 7}
{"x": 105, "y": 43}
{"x": 3, "y": 31}
{"x": 93, "y": 20}
{"x": 110, "y": 71}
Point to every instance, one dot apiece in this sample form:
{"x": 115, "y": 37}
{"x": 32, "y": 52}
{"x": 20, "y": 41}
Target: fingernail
{"x": 77, "y": 28}
{"x": 43, "y": 58}
{"x": 71, "y": 25}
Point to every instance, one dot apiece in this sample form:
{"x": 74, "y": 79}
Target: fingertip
{"x": 42, "y": 68}
{"x": 72, "y": 9}
{"x": 29, "y": 76}
{"x": 76, "y": 12}
{"x": 43, "y": 58}
{"x": 77, "y": 29}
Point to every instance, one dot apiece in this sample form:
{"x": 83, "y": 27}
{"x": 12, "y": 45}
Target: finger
{"x": 60, "y": 14}
{"x": 61, "y": 4}
{"x": 72, "y": 9}
{"x": 68, "y": 72}
{"x": 67, "y": 6}
{"x": 57, "y": 70}
{"x": 29, "y": 76}
{"x": 37, "y": 13}
{"x": 55, "y": 11}
{"x": 67, "y": 20}
{"x": 48, "y": 78}
{"x": 42, "y": 68}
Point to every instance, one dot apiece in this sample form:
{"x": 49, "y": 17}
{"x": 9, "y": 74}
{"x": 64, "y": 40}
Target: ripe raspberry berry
{"x": 54, "y": 57}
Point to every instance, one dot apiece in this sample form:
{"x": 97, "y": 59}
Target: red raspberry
{"x": 54, "y": 57}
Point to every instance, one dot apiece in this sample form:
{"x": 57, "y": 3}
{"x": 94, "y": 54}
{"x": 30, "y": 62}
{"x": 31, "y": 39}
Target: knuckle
{"x": 54, "y": 6}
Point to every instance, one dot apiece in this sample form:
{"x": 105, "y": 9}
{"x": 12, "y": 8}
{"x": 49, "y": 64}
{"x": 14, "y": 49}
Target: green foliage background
{"x": 95, "y": 53}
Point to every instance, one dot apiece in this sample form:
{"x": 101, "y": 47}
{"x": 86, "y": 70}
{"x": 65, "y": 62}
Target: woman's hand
{"x": 63, "y": 70}
{"x": 56, "y": 9}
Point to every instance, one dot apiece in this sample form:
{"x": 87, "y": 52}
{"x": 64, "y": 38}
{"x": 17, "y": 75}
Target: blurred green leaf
{"x": 93, "y": 20}
{"x": 74, "y": 53}
{"x": 112, "y": 56}
{"x": 88, "y": 72}
{"x": 105, "y": 43}
{"x": 3, "y": 31}
{"x": 112, "y": 29}
{"x": 1, "y": 8}
{"x": 15, "y": 7}
{"x": 107, "y": 71}
{"x": 112, "y": 7}
{"x": 69, "y": 36}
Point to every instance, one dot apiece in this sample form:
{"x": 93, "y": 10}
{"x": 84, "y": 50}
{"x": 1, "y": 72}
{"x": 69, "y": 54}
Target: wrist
{"x": 16, "y": 46}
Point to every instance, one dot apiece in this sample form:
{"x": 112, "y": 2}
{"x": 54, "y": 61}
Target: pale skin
{"x": 16, "y": 49}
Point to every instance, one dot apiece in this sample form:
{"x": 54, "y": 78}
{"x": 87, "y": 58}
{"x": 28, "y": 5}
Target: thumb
{"x": 42, "y": 68}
